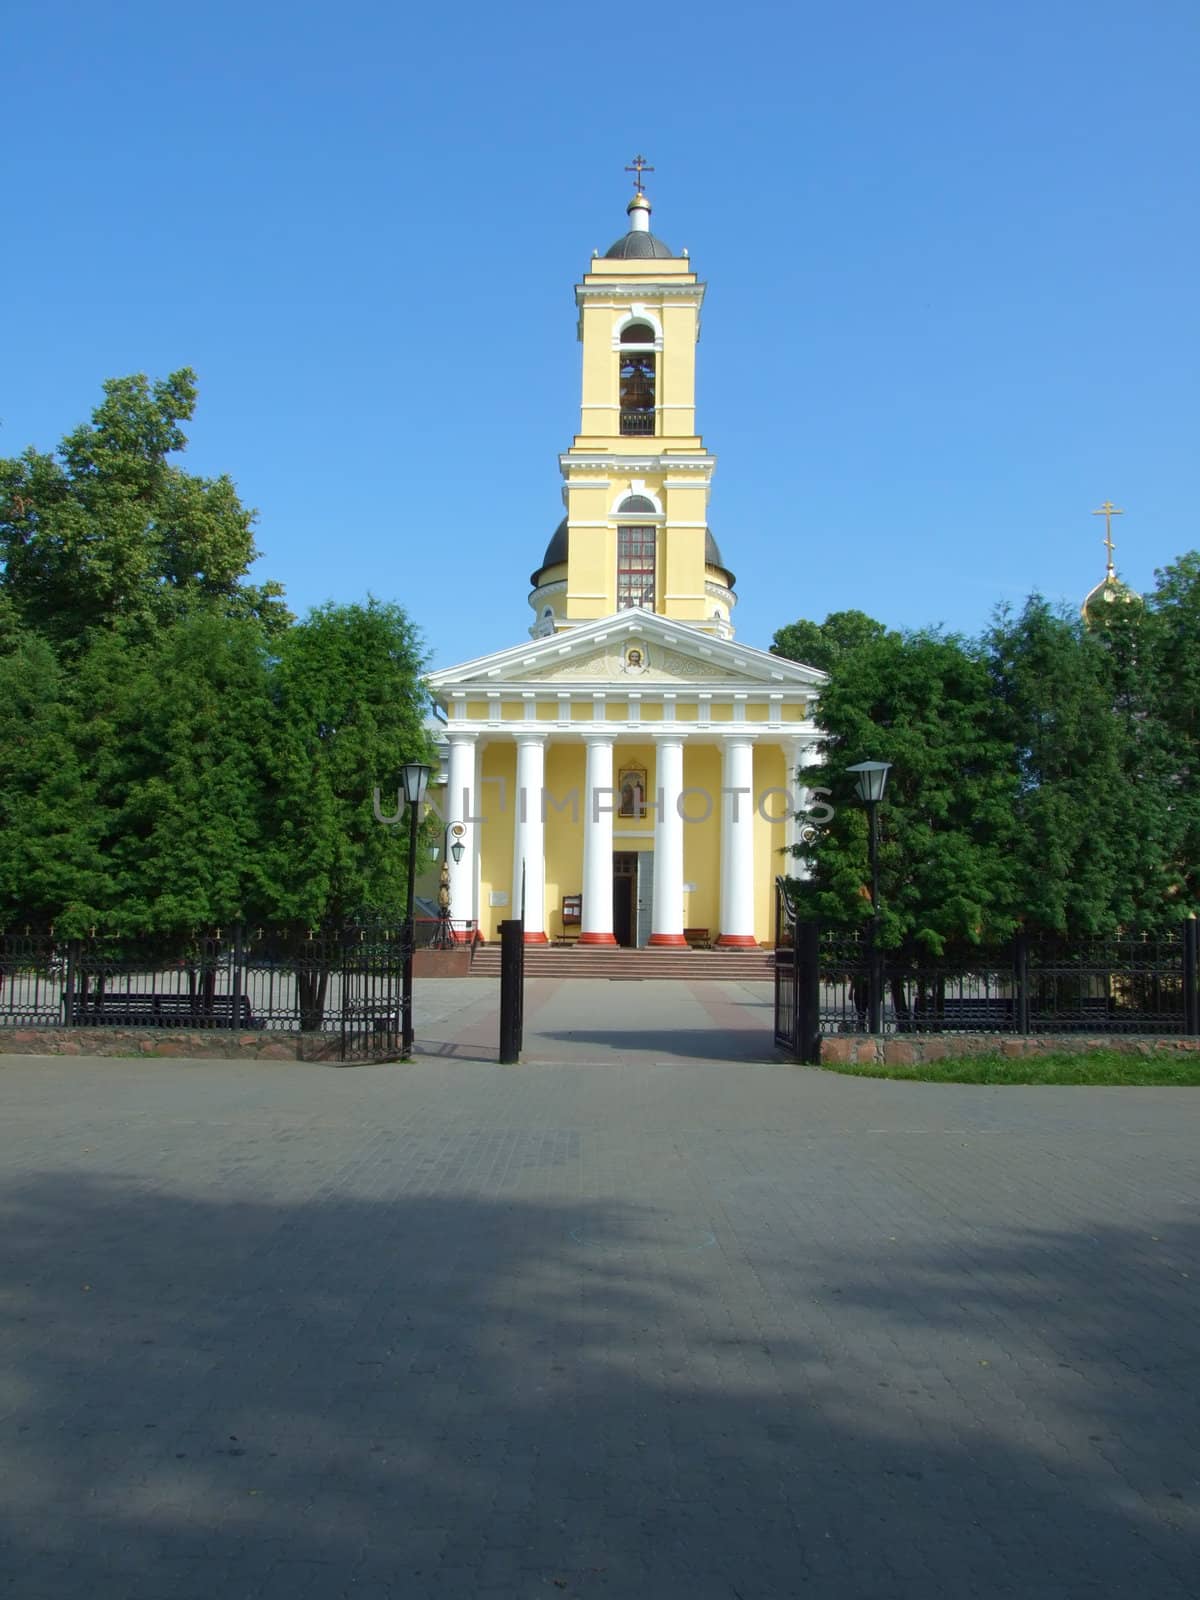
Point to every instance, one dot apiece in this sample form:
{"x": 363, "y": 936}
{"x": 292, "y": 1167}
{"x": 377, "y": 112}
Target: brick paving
{"x": 647, "y": 1316}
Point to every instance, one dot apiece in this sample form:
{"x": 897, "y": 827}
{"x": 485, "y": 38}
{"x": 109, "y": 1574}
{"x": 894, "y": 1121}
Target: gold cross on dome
{"x": 639, "y": 166}
{"x": 1108, "y": 511}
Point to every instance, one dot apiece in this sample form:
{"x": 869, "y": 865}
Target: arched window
{"x": 635, "y": 567}
{"x": 636, "y": 503}
{"x": 638, "y": 378}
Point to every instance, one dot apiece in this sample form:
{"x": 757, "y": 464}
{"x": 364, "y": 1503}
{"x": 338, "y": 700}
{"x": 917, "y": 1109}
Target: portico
{"x": 709, "y": 734}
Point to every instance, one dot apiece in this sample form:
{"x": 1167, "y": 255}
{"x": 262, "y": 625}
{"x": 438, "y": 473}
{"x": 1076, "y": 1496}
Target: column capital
{"x": 458, "y": 736}
{"x": 523, "y": 735}
{"x": 666, "y": 736}
{"x": 607, "y": 736}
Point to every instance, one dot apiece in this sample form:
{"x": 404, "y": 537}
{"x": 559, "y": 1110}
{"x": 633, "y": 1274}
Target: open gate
{"x": 371, "y": 994}
{"x": 797, "y": 981}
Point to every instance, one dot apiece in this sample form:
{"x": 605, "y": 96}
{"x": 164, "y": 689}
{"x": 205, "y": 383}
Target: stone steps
{"x": 554, "y": 961}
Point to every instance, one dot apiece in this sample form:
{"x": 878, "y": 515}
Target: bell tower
{"x": 637, "y": 476}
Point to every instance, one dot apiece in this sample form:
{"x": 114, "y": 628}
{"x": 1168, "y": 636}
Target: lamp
{"x": 414, "y": 780}
{"x": 444, "y": 937}
{"x": 870, "y": 778}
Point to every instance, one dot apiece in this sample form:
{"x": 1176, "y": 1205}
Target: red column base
{"x": 737, "y": 941}
{"x": 536, "y": 938}
{"x": 597, "y": 938}
{"x": 672, "y": 939}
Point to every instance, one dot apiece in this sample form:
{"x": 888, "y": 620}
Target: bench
{"x": 117, "y": 1009}
{"x": 698, "y": 938}
{"x": 981, "y": 1014}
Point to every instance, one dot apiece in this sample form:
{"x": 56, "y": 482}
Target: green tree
{"x": 50, "y": 863}
{"x": 109, "y": 531}
{"x": 349, "y": 709}
{"x": 1053, "y": 683}
{"x": 923, "y": 702}
{"x": 174, "y": 734}
{"x": 826, "y": 644}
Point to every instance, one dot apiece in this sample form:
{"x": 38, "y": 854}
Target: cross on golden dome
{"x": 1108, "y": 511}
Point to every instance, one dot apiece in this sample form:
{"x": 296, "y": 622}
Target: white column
{"x": 529, "y": 845}
{"x": 598, "y": 805}
{"x": 737, "y": 845}
{"x": 460, "y": 804}
{"x": 799, "y": 754}
{"x": 666, "y": 922}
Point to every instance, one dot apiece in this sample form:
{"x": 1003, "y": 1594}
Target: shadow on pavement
{"x": 450, "y": 1397}
{"x": 697, "y": 1044}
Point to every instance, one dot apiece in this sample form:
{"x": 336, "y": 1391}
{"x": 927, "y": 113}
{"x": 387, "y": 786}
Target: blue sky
{"x": 951, "y": 253}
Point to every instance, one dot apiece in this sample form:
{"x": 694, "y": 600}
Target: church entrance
{"x": 625, "y": 897}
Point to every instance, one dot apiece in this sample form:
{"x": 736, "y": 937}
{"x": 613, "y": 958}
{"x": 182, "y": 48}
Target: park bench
{"x": 119, "y": 1009}
{"x": 974, "y": 1014}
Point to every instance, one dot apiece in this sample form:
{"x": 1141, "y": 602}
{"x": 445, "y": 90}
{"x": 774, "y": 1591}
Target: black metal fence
{"x": 339, "y": 990}
{"x": 828, "y": 982}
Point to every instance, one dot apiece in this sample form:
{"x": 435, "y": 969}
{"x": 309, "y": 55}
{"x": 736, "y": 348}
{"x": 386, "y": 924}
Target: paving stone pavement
{"x": 622, "y": 1321}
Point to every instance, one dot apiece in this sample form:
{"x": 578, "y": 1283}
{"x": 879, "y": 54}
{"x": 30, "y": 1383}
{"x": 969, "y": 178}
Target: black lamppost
{"x": 414, "y": 779}
{"x": 444, "y": 938}
{"x": 871, "y": 779}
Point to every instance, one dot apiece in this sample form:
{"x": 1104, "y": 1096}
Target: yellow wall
{"x": 702, "y": 839}
{"x": 565, "y": 771}
{"x": 770, "y": 771}
{"x": 495, "y": 805}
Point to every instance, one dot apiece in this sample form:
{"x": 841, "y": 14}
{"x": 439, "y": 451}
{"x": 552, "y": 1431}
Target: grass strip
{"x": 1054, "y": 1066}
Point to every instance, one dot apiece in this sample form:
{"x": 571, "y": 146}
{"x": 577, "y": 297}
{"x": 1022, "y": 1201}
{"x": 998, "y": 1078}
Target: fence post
{"x": 1191, "y": 976}
{"x": 69, "y": 1007}
{"x": 807, "y": 993}
{"x": 235, "y": 985}
{"x": 1021, "y": 981}
{"x": 512, "y": 977}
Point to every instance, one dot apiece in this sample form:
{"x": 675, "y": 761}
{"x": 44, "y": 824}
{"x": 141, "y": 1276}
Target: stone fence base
{"x": 215, "y": 1043}
{"x": 911, "y": 1048}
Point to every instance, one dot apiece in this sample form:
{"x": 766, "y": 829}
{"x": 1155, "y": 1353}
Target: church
{"x": 627, "y": 774}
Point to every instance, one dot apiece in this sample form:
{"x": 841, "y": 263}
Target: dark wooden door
{"x": 625, "y": 897}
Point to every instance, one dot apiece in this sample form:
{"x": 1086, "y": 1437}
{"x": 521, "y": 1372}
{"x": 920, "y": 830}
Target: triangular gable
{"x": 627, "y": 648}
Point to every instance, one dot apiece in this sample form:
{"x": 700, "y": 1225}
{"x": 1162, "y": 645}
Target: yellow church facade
{"x": 628, "y": 775}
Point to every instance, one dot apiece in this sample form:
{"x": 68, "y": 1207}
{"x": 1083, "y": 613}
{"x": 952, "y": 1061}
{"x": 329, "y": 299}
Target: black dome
{"x": 635, "y": 245}
{"x": 556, "y": 552}
{"x": 712, "y": 556}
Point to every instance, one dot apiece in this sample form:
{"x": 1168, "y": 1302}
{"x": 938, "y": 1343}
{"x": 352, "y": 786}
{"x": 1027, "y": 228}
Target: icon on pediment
{"x": 635, "y": 660}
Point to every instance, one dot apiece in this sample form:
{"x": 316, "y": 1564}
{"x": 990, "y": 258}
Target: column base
{"x": 737, "y": 941}
{"x": 597, "y": 938}
{"x": 675, "y": 940}
{"x": 536, "y": 938}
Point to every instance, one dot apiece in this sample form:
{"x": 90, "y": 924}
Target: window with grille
{"x": 635, "y": 568}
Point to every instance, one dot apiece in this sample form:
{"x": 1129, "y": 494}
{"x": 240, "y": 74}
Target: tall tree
{"x": 173, "y": 733}
{"x": 826, "y": 644}
{"x": 923, "y": 702}
{"x": 349, "y": 710}
{"x": 109, "y": 531}
{"x": 1054, "y": 691}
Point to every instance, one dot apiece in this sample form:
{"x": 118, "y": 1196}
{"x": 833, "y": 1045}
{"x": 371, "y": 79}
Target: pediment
{"x": 642, "y": 651}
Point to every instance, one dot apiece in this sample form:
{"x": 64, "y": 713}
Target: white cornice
{"x": 594, "y": 460}
{"x": 647, "y": 289}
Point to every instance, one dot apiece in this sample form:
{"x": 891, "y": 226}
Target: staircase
{"x": 607, "y": 961}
